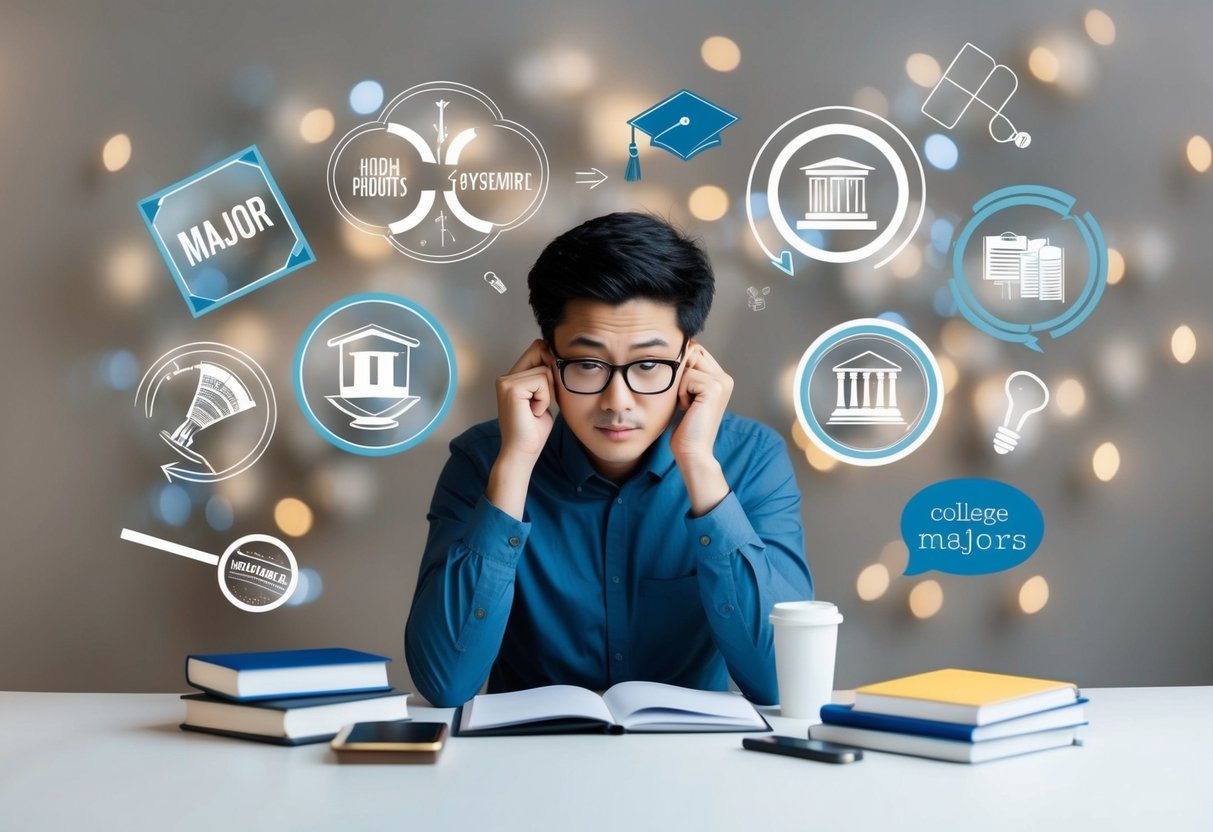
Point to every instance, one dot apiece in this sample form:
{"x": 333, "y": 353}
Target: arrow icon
{"x": 592, "y": 173}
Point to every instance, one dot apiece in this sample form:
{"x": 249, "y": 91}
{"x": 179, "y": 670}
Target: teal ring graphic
{"x": 1062, "y": 204}
{"x": 903, "y": 338}
{"x": 394, "y": 300}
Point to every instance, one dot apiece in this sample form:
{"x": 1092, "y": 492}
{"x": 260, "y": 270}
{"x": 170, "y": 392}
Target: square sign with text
{"x": 225, "y": 231}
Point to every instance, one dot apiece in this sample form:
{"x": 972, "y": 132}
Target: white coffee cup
{"x": 806, "y": 640}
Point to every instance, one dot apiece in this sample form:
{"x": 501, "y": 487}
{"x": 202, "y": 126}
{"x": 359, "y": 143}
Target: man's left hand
{"x": 704, "y": 392}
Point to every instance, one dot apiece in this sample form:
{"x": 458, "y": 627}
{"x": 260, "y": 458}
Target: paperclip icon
{"x": 972, "y": 76}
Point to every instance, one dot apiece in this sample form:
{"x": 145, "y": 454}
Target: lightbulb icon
{"x": 1026, "y": 394}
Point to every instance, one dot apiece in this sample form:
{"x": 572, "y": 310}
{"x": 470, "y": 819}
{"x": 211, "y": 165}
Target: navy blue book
{"x": 1064, "y": 717}
{"x": 295, "y": 720}
{"x": 283, "y": 673}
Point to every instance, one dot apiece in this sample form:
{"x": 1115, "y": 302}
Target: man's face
{"x": 617, "y": 426}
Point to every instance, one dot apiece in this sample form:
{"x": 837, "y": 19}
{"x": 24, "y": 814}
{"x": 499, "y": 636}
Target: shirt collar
{"x": 658, "y": 462}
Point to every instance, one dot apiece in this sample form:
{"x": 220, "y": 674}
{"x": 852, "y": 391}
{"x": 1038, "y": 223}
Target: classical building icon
{"x": 838, "y": 196}
{"x": 379, "y": 390}
{"x": 863, "y": 397}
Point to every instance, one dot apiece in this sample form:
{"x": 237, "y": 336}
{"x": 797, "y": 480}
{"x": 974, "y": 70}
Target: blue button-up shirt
{"x": 603, "y": 583}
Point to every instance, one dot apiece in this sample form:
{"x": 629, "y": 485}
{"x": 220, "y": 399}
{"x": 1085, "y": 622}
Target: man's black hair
{"x": 622, "y": 257}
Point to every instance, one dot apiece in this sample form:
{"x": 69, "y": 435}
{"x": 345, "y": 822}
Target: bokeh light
{"x": 708, "y": 203}
{"x": 1183, "y": 344}
{"x": 1034, "y": 594}
{"x": 116, "y": 153}
{"x": 799, "y": 438}
{"x": 172, "y": 504}
{"x": 1070, "y": 397}
{"x": 872, "y": 582}
{"x": 1100, "y": 27}
{"x": 818, "y": 459}
{"x": 926, "y": 599}
{"x": 1116, "y": 266}
{"x": 894, "y": 555}
{"x": 219, "y": 513}
{"x": 907, "y": 263}
{"x": 1044, "y": 64}
{"x": 366, "y": 96}
{"x": 1106, "y": 461}
{"x": 720, "y": 53}
{"x": 308, "y": 589}
{"x": 949, "y": 371}
{"x": 366, "y": 247}
{"x": 941, "y": 151}
{"x": 118, "y": 370}
{"x": 923, "y": 69}
{"x": 1199, "y": 153}
{"x": 872, "y": 100}
{"x": 317, "y": 125}
{"x": 293, "y": 516}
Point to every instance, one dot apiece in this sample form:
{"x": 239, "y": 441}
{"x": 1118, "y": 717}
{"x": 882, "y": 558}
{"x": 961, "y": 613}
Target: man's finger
{"x": 532, "y": 357}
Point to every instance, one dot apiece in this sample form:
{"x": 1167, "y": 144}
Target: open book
{"x": 627, "y": 706}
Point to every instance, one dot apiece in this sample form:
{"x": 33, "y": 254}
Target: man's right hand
{"x": 523, "y": 397}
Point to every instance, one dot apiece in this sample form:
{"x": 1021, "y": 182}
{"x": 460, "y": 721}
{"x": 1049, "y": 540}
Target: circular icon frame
{"x": 908, "y": 342}
{"x": 399, "y": 303}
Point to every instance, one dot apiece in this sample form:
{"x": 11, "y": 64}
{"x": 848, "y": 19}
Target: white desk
{"x": 118, "y": 761}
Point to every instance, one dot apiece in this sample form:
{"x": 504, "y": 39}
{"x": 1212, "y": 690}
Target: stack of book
{"x": 289, "y": 697}
{"x": 962, "y": 716}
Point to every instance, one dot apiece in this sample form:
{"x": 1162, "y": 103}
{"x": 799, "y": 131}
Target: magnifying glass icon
{"x": 256, "y": 573}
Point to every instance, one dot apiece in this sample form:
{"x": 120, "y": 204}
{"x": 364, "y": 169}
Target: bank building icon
{"x": 838, "y": 196}
{"x": 378, "y": 391}
{"x": 867, "y": 392}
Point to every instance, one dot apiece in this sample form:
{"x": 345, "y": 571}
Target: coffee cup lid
{"x": 806, "y": 613}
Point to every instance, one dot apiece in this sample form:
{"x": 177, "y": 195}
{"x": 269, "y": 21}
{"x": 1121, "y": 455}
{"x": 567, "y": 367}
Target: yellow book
{"x": 969, "y": 697}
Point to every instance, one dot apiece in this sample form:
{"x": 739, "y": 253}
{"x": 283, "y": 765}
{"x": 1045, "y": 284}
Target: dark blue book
{"x": 281, "y": 673}
{"x": 295, "y": 720}
{"x": 1064, "y": 717}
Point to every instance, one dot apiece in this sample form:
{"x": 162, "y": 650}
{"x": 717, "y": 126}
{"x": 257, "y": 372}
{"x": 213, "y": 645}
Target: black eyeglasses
{"x": 647, "y": 377}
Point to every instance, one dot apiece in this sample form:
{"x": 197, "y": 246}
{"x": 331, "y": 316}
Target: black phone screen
{"x": 401, "y": 731}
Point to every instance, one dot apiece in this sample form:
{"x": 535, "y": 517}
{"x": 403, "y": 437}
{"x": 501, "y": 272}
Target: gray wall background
{"x": 1128, "y": 562}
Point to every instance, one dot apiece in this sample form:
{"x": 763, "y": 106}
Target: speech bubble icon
{"x": 970, "y": 527}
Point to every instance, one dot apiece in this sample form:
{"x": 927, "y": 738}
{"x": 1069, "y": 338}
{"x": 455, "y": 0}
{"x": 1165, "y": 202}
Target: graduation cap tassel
{"x": 633, "y": 171}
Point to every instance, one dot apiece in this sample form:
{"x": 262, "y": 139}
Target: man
{"x": 644, "y": 533}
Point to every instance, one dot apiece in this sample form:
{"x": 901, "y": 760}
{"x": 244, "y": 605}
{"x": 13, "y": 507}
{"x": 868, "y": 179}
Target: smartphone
{"x": 825, "y": 752}
{"x": 400, "y": 741}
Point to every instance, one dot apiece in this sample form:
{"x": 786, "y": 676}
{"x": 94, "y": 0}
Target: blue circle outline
{"x": 353, "y": 300}
{"x": 1062, "y": 204}
{"x": 925, "y": 364}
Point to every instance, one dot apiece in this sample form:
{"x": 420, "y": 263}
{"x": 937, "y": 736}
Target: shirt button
{"x": 579, "y": 489}
{"x": 614, "y": 579}
{"x": 705, "y": 540}
{"x": 618, "y": 657}
{"x": 514, "y": 541}
{"x": 480, "y": 613}
{"x": 618, "y": 501}
{"x": 726, "y": 608}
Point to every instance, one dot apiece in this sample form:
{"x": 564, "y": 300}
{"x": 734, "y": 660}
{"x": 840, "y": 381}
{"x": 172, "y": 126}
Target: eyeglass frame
{"x": 673, "y": 363}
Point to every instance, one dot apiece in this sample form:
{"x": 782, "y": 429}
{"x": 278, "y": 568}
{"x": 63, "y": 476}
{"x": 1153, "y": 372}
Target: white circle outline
{"x": 825, "y": 255}
{"x": 749, "y": 206}
{"x": 932, "y": 419}
{"x": 259, "y": 538}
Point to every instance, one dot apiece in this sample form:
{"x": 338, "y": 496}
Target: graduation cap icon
{"x": 684, "y": 124}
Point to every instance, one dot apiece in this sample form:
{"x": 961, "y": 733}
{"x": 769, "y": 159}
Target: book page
{"x": 636, "y": 704}
{"x": 493, "y": 710}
